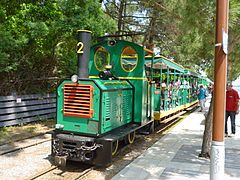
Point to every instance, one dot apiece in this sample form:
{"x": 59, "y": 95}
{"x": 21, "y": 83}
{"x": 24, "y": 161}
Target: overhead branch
{"x": 140, "y": 17}
{"x": 168, "y": 11}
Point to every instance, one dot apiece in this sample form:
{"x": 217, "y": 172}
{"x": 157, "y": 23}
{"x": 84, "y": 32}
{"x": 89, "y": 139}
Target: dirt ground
{"x": 20, "y": 132}
{"x": 125, "y": 155}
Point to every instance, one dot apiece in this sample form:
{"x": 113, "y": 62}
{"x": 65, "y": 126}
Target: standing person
{"x": 202, "y": 94}
{"x": 232, "y": 105}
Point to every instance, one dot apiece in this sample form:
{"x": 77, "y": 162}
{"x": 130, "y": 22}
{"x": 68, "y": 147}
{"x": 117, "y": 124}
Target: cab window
{"x": 129, "y": 59}
{"x": 101, "y": 58}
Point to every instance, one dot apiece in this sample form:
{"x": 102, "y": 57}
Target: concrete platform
{"x": 175, "y": 156}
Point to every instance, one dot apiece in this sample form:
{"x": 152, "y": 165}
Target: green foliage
{"x": 192, "y": 35}
{"x": 183, "y": 29}
{"x": 38, "y": 39}
{"x": 3, "y": 132}
{"x": 234, "y": 40}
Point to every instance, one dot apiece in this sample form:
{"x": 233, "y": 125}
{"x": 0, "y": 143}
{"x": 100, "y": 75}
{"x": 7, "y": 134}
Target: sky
{"x": 236, "y": 84}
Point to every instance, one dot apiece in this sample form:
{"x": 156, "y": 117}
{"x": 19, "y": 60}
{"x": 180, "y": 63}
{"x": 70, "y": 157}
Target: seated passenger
{"x": 163, "y": 88}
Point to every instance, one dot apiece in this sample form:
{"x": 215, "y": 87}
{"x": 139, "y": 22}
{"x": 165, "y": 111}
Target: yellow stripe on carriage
{"x": 162, "y": 114}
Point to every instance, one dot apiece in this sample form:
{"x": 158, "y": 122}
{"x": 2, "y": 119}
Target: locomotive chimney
{"x": 83, "y": 52}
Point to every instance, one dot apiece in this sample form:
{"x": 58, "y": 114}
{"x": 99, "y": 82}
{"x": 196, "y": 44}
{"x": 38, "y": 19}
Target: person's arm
{"x": 237, "y": 107}
{"x": 237, "y": 99}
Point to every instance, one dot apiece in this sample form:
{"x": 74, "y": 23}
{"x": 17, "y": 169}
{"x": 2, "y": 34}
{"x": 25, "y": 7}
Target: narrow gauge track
{"x": 50, "y": 169}
{"x": 25, "y": 138}
{"x": 71, "y": 174}
{"x": 76, "y": 172}
{"x": 4, "y": 152}
{"x": 167, "y": 124}
{"x": 175, "y": 120}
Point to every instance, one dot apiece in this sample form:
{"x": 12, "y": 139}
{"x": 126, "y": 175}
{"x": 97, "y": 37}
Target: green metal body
{"x": 168, "y": 73}
{"x": 141, "y": 95}
{"x": 115, "y": 103}
{"x": 111, "y": 104}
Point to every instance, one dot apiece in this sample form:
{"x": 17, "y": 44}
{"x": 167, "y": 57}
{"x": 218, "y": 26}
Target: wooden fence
{"x": 26, "y": 108}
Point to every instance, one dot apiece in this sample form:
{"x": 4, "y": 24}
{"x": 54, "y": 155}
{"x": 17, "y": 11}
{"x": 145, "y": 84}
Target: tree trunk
{"x": 207, "y": 136}
{"x": 149, "y": 35}
{"x": 120, "y": 17}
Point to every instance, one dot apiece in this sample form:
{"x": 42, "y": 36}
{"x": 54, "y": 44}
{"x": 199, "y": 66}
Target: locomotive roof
{"x": 163, "y": 62}
{"x": 189, "y": 72}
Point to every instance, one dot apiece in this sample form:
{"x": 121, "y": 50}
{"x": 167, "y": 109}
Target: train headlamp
{"x": 108, "y": 67}
{"x": 74, "y": 78}
{"x": 111, "y": 43}
{"x": 59, "y": 126}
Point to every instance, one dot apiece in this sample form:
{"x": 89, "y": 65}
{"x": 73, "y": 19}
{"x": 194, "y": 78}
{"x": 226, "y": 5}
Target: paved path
{"x": 175, "y": 156}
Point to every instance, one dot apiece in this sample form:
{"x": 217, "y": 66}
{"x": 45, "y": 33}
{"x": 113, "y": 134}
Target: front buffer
{"x": 79, "y": 148}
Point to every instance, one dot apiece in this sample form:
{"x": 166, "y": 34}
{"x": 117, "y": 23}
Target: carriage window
{"x": 129, "y": 59}
{"x": 101, "y": 58}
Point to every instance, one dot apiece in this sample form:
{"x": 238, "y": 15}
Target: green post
{"x": 161, "y": 101}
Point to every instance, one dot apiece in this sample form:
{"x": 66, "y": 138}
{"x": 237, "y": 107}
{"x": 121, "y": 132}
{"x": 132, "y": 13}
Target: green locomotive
{"x": 118, "y": 90}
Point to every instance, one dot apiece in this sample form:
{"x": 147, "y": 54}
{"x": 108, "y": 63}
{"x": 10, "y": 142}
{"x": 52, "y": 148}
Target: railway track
{"x": 26, "y": 138}
{"x": 21, "y": 144}
{"x": 50, "y": 169}
{"x": 73, "y": 174}
{"x": 168, "y": 123}
{"x": 79, "y": 171}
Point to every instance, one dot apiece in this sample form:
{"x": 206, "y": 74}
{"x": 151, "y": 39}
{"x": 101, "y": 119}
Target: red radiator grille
{"x": 78, "y": 100}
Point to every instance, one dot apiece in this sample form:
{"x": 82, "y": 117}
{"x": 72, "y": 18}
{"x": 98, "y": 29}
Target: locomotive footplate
{"x": 73, "y": 147}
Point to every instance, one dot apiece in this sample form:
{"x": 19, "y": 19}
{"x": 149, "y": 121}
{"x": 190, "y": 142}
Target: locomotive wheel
{"x": 114, "y": 147}
{"x": 130, "y": 138}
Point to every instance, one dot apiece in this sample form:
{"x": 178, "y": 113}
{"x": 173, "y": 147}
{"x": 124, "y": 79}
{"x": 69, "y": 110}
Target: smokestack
{"x": 83, "y": 52}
